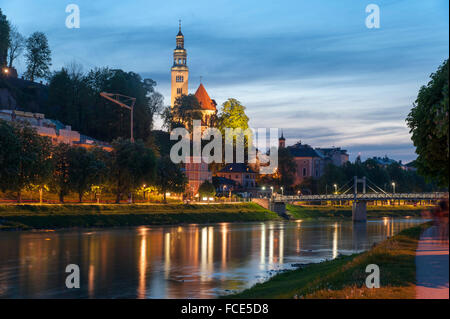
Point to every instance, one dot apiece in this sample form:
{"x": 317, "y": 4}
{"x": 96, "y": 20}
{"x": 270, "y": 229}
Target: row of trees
{"x": 13, "y": 44}
{"x": 30, "y": 161}
{"x": 74, "y": 98}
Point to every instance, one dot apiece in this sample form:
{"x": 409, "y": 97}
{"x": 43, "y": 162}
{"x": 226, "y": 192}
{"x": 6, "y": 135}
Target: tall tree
{"x": 17, "y": 43}
{"x": 38, "y": 56}
{"x": 232, "y": 115}
{"x": 60, "y": 179}
{"x": 207, "y": 189}
{"x": 69, "y": 97}
{"x": 109, "y": 121}
{"x": 4, "y": 38}
{"x": 9, "y": 148}
{"x": 131, "y": 165}
{"x": 169, "y": 177}
{"x": 33, "y": 159}
{"x": 286, "y": 168}
{"x": 85, "y": 170}
{"x": 186, "y": 109}
{"x": 428, "y": 121}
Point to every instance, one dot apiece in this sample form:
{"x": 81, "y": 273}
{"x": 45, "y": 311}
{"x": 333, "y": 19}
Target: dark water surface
{"x": 192, "y": 261}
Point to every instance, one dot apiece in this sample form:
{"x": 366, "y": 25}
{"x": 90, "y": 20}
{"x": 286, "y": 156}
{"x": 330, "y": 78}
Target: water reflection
{"x": 194, "y": 261}
{"x": 359, "y": 236}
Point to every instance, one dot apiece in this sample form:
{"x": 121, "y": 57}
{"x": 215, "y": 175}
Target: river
{"x": 190, "y": 261}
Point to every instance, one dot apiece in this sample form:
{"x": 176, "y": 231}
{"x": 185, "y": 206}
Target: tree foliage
{"x": 17, "y": 44}
{"x": 32, "y": 159}
{"x": 60, "y": 181}
{"x": 86, "y": 169}
{"x": 207, "y": 189}
{"x": 186, "y": 109}
{"x": 4, "y": 38}
{"x": 38, "y": 56}
{"x": 9, "y": 148}
{"x": 74, "y": 98}
{"x": 232, "y": 115}
{"x": 428, "y": 121}
{"x": 131, "y": 166}
{"x": 169, "y": 178}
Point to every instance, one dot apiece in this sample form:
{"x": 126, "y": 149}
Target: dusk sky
{"x": 312, "y": 68}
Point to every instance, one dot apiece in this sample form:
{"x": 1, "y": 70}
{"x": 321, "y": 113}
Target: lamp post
{"x": 335, "y": 188}
{"x": 121, "y": 100}
{"x": 393, "y": 187}
{"x": 281, "y": 190}
{"x": 271, "y": 193}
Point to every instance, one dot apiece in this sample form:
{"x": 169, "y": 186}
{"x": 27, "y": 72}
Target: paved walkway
{"x": 432, "y": 266}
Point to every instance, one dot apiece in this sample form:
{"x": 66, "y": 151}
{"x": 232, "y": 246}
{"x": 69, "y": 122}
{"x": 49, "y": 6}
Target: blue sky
{"x": 311, "y": 68}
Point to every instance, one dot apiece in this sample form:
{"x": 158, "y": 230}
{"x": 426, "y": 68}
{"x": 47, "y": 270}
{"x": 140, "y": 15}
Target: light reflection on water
{"x": 192, "y": 261}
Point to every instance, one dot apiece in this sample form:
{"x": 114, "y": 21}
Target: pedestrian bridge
{"x": 277, "y": 202}
{"x": 360, "y": 197}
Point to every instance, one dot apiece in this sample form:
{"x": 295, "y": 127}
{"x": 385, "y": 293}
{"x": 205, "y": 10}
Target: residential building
{"x": 334, "y": 155}
{"x": 240, "y": 173}
{"x": 54, "y": 129}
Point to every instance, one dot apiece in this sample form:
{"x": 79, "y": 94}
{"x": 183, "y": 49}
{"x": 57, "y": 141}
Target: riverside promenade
{"x": 432, "y": 264}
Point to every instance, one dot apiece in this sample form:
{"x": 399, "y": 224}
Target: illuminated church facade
{"x": 180, "y": 80}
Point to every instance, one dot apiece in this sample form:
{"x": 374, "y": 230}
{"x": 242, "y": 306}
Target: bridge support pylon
{"x": 359, "y": 211}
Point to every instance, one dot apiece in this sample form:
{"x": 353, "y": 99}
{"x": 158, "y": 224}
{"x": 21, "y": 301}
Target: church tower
{"x": 180, "y": 71}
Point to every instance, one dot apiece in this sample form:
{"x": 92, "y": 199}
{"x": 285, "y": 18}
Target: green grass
{"x": 75, "y": 215}
{"x": 318, "y": 212}
{"x": 345, "y": 276}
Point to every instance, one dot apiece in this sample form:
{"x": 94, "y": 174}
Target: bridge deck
{"x": 362, "y": 197}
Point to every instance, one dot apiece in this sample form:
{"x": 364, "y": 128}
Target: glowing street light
{"x": 335, "y": 188}
{"x": 281, "y": 190}
{"x": 393, "y": 187}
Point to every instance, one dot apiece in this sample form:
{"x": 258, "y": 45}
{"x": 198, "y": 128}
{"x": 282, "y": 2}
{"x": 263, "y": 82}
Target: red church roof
{"x": 204, "y": 99}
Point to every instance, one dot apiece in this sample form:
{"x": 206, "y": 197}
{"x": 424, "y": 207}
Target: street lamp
{"x": 271, "y": 188}
{"x": 335, "y": 188}
{"x": 281, "y": 190}
{"x": 393, "y": 187}
{"x": 122, "y": 101}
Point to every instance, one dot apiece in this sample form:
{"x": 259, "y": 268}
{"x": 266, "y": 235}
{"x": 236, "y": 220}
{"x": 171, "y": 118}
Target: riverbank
{"x": 344, "y": 277}
{"x": 318, "y": 212}
{"x": 112, "y": 215}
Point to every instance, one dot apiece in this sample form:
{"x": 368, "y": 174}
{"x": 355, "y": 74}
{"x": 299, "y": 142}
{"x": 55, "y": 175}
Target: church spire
{"x": 282, "y": 141}
{"x": 179, "y": 29}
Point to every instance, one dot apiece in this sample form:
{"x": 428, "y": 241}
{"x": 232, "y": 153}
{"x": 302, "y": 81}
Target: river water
{"x": 191, "y": 261}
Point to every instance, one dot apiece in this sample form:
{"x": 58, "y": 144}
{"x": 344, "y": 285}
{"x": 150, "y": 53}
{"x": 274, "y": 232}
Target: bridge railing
{"x": 364, "y": 197}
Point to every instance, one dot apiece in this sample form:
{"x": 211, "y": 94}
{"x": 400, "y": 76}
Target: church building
{"x": 180, "y": 79}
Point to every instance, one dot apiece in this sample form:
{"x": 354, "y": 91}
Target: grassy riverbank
{"x": 345, "y": 276}
{"x": 79, "y": 215}
{"x": 318, "y": 212}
